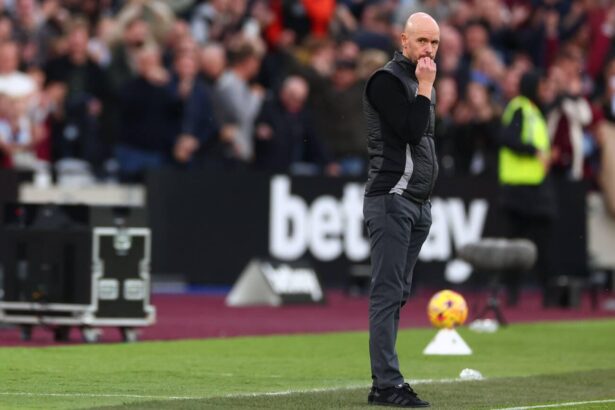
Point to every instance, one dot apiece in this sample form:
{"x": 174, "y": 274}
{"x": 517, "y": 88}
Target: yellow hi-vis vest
{"x": 518, "y": 169}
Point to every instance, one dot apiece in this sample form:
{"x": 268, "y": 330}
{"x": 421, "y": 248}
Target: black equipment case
{"x": 75, "y": 265}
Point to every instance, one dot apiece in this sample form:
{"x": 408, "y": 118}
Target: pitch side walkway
{"x": 205, "y": 316}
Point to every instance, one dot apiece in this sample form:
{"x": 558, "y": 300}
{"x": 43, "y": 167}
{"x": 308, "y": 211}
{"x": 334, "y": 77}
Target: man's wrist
{"x": 425, "y": 89}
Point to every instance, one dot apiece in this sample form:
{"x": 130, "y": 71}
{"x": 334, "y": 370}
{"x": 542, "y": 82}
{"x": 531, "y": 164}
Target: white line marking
{"x": 132, "y": 396}
{"x": 568, "y": 404}
{"x": 330, "y": 389}
{"x": 255, "y": 394}
{"x": 286, "y": 393}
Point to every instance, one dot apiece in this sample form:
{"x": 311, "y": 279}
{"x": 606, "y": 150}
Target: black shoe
{"x": 402, "y": 396}
{"x": 370, "y": 396}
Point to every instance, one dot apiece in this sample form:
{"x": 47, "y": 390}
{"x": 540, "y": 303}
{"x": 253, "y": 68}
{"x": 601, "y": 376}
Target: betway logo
{"x": 330, "y": 228}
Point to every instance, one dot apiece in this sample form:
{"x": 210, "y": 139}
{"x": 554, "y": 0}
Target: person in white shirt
{"x": 13, "y": 83}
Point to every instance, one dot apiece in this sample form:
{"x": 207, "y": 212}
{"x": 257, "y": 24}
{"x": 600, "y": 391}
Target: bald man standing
{"x": 399, "y": 109}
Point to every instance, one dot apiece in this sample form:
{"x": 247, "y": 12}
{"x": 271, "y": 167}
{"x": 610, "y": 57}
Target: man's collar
{"x": 405, "y": 63}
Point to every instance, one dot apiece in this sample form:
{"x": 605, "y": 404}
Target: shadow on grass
{"x": 487, "y": 394}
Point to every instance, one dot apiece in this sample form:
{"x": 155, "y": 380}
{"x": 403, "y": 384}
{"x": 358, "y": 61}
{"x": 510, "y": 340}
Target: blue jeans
{"x": 133, "y": 162}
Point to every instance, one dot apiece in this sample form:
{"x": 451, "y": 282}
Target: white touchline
{"x": 329, "y": 389}
{"x": 132, "y": 396}
{"x": 231, "y": 395}
{"x": 567, "y": 404}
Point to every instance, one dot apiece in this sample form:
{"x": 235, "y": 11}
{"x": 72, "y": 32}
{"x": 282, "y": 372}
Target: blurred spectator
{"x": 20, "y": 132}
{"x": 208, "y": 21}
{"x": 605, "y": 136}
{"x": 376, "y": 29}
{"x": 487, "y": 69}
{"x": 220, "y": 20}
{"x": 150, "y": 118}
{"x": 605, "y": 132}
{"x": 19, "y": 135}
{"x": 99, "y": 45}
{"x": 527, "y": 195}
{"x": 320, "y": 57}
{"x": 602, "y": 29}
{"x": 135, "y": 35}
{"x": 45, "y": 41}
{"x": 306, "y": 18}
{"x": 496, "y": 16}
{"x": 286, "y": 140}
{"x": 198, "y": 123}
{"x": 567, "y": 118}
{"x": 156, "y": 13}
{"x": 240, "y": 102}
{"x": 279, "y": 61}
{"x": 179, "y": 40}
{"x": 6, "y": 28}
{"x": 370, "y": 61}
{"x": 476, "y": 38}
{"x": 13, "y": 83}
{"x": 186, "y": 45}
{"x": 212, "y": 59}
{"x": 486, "y": 47}
{"x": 475, "y": 140}
{"x": 445, "y": 127}
{"x": 181, "y": 8}
{"x": 28, "y": 22}
{"x": 451, "y": 54}
{"x": 606, "y": 101}
{"x": 212, "y": 62}
{"x": 318, "y": 66}
{"x": 510, "y": 84}
{"x": 461, "y": 14}
{"x": 340, "y": 118}
{"x": 75, "y": 125}
{"x": 320, "y": 13}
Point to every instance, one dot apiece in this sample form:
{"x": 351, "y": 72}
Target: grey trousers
{"x": 397, "y": 228}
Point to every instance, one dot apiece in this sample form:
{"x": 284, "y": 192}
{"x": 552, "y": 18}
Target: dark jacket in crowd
{"x": 400, "y": 124}
{"x": 198, "y": 116}
{"x": 88, "y": 78}
{"x": 150, "y": 116}
{"x": 341, "y": 122}
{"x": 78, "y": 134}
{"x": 294, "y": 139}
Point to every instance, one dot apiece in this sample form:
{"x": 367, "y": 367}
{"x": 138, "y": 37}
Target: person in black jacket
{"x": 199, "y": 128}
{"x": 285, "y": 139}
{"x": 150, "y": 114}
{"x": 399, "y": 110}
{"x": 76, "y": 127}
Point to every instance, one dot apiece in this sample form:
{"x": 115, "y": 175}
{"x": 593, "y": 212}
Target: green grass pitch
{"x": 524, "y": 365}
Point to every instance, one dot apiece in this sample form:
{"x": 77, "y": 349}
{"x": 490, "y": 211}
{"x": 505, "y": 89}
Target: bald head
{"x": 293, "y": 93}
{"x": 421, "y": 37}
{"x": 420, "y": 21}
{"x": 213, "y": 60}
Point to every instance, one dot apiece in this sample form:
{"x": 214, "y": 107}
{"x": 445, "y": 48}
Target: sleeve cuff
{"x": 421, "y": 99}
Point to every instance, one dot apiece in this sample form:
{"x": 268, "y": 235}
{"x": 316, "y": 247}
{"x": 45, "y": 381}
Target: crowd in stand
{"x": 121, "y": 87}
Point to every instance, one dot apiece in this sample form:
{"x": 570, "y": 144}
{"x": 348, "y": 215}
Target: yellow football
{"x": 447, "y": 309}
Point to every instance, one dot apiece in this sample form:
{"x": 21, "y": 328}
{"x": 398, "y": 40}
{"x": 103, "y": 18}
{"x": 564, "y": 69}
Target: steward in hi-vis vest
{"x": 520, "y": 168}
{"x": 527, "y": 196}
